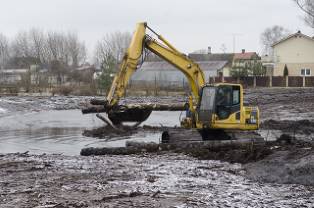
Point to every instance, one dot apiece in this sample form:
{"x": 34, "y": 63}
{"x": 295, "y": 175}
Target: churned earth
{"x": 168, "y": 180}
{"x": 59, "y": 177}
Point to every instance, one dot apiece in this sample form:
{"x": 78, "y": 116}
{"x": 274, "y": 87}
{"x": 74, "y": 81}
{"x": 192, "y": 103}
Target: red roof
{"x": 246, "y": 55}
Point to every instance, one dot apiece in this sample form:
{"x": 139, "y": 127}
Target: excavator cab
{"x": 218, "y": 103}
{"x": 227, "y": 101}
{"x": 220, "y": 106}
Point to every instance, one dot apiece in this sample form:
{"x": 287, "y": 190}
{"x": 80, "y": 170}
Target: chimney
{"x": 209, "y": 50}
{"x": 243, "y": 50}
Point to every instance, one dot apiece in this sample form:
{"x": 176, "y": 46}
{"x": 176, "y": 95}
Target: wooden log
{"x": 158, "y": 107}
{"x": 120, "y": 150}
{"x": 183, "y": 147}
{"x": 98, "y": 102}
{"x": 144, "y": 106}
{"x": 94, "y": 109}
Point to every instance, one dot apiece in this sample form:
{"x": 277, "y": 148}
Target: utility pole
{"x": 234, "y": 36}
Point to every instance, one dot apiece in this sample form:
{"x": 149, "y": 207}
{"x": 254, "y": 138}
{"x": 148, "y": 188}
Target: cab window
{"x": 236, "y": 97}
{"x": 228, "y": 96}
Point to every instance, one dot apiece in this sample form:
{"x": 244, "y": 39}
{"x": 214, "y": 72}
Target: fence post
{"x": 254, "y": 81}
{"x": 287, "y": 81}
{"x": 270, "y": 81}
{"x": 303, "y": 84}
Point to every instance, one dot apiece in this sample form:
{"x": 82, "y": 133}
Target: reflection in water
{"x": 61, "y": 131}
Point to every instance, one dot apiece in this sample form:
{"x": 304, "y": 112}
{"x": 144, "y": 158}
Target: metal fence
{"x": 263, "y": 81}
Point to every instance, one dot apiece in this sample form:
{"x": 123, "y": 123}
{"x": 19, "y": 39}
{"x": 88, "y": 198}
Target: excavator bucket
{"x": 137, "y": 115}
{"x": 119, "y": 113}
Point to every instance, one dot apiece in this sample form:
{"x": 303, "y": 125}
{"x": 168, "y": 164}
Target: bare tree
{"x": 76, "y": 49}
{"x": 21, "y": 45}
{"x": 38, "y": 45}
{"x": 112, "y": 47}
{"x": 108, "y": 54}
{"x": 22, "y": 52}
{"x": 4, "y": 51}
{"x": 307, "y": 6}
{"x": 223, "y": 48}
{"x": 57, "y": 47}
{"x": 270, "y": 36}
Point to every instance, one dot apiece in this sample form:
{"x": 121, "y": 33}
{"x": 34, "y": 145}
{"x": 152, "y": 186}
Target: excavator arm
{"x": 164, "y": 50}
{"x": 128, "y": 66}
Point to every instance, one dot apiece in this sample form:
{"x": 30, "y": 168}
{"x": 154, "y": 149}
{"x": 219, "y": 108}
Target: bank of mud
{"x": 276, "y": 174}
{"x": 286, "y": 160}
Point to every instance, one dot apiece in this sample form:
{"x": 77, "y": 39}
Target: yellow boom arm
{"x": 167, "y": 52}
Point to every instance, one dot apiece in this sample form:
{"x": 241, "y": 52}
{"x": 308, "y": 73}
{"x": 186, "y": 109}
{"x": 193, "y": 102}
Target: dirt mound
{"x": 300, "y": 126}
{"x": 290, "y": 161}
{"x": 232, "y": 153}
{"x": 287, "y": 166}
{"x": 108, "y": 131}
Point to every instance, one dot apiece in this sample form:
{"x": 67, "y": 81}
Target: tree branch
{"x": 302, "y": 7}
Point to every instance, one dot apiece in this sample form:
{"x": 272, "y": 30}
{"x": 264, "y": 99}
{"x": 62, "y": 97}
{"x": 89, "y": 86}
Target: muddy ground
{"x": 279, "y": 177}
{"x": 168, "y": 180}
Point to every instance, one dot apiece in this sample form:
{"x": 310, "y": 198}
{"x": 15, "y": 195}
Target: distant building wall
{"x": 11, "y": 76}
{"x": 294, "y": 69}
{"x": 163, "y": 74}
{"x": 295, "y": 51}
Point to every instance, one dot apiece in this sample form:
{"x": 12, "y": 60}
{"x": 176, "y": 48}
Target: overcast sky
{"x": 188, "y": 24}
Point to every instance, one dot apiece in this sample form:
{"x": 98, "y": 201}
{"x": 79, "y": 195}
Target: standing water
{"x": 60, "y": 131}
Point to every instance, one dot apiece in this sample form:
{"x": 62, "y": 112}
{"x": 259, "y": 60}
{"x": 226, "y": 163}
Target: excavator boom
{"x": 162, "y": 48}
{"x": 167, "y": 52}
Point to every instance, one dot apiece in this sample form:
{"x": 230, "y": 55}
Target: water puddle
{"x": 61, "y": 131}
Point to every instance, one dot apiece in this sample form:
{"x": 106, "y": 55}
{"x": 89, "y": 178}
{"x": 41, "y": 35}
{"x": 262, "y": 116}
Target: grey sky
{"x": 188, "y": 24}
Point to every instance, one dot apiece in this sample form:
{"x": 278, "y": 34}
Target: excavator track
{"x": 182, "y": 136}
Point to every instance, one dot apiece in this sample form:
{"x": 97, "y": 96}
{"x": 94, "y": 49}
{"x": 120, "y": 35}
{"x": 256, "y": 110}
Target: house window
{"x": 306, "y": 72}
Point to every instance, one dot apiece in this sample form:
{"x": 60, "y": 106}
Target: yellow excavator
{"x": 210, "y": 106}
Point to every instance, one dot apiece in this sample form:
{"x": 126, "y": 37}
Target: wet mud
{"x": 290, "y": 126}
{"x": 278, "y": 173}
{"x": 287, "y": 111}
{"x": 148, "y": 180}
{"x": 123, "y": 130}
